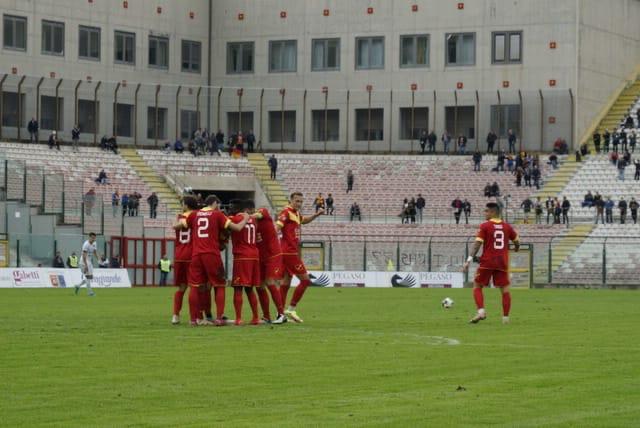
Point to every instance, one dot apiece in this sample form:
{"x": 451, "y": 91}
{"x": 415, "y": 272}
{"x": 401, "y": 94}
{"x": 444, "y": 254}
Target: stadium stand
{"x": 186, "y": 164}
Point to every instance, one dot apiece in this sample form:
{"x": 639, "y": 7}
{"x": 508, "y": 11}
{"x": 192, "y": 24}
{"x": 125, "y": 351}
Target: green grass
{"x": 364, "y": 357}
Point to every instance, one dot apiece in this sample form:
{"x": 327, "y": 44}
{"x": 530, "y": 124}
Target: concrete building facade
{"x": 358, "y": 75}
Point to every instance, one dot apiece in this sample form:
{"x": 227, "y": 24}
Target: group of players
{"x": 261, "y": 260}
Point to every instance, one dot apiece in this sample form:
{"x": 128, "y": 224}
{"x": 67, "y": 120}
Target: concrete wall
{"x": 609, "y": 51}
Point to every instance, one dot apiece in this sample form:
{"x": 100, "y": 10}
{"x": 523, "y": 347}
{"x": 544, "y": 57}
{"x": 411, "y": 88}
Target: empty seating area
{"x": 187, "y": 164}
{"x": 382, "y": 182}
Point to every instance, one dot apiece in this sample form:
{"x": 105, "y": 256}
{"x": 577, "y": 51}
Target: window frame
{"x": 446, "y": 49}
{"x": 158, "y": 40}
{"x": 14, "y": 19}
{"x": 370, "y": 39}
{"x": 190, "y": 44}
{"x": 284, "y": 43}
{"x": 507, "y": 47}
{"x": 325, "y": 42}
{"x": 415, "y": 50}
{"x": 90, "y": 30}
{"x": 124, "y": 35}
{"x": 240, "y": 55}
{"x": 55, "y": 25}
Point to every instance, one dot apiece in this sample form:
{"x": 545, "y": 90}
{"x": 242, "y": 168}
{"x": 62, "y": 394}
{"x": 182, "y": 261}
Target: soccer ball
{"x": 447, "y": 303}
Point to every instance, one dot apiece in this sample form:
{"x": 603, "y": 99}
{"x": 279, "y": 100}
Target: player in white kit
{"x": 89, "y": 250}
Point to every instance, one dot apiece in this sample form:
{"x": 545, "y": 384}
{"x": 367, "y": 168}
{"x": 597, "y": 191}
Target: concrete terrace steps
{"x": 620, "y": 108}
{"x": 559, "y": 180}
{"x": 568, "y": 244}
{"x": 276, "y": 193}
{"x": 151, "y": 179}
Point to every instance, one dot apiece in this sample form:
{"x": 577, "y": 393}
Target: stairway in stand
{"x": 274, "y": 190}
{"x": 568, "y": 244}
{"x": 157, "y": 184}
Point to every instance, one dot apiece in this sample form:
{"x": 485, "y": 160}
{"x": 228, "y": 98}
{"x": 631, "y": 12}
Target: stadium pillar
{"x": 304, "y": 120}
{"x": 330, "y": 254}
{"x": 573, "y": 117}
{"x": 521, "y": 130}
{"x": 218, "y": 110}
{"x": 2, "y": 105}
{"x": 435, "y": 101}
{"x": 499, "y": 118}
{"x": 455, "y": 116}
{"x": 326, "y": 117}
{"x": 198, "y": 108}
{"x": 369, "y": 121}
{"x": 38, "y": 99}
{"x": 155, "y": 124}
{"x": 261, "y": 113}
{"x": 390, "y": 118}
{"x": 20, "y": 118}
{"x": 178, "y": 110}
{"x": 96, "y": 118}
{"x": 347, "y": 125}
{"x": 57, "y": 125}
{"x": 240, "y": 93}
{"x": 541, "y": 121}
{"x": 413, "y": 119}
{"x": 75, "y": 103}
{"x": 115, "y": 110}
{"x": 135, "y": 115}
{"x": 477, "y": 119}
{"x": 282, "y": 92}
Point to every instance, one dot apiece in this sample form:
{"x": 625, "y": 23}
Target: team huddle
{"x": 261, "y": 260}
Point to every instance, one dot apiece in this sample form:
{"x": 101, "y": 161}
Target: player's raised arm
{"x": 305, "y": 220}
{"x": 237, "y": 227}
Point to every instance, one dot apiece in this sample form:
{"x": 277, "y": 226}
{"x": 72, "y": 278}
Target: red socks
{"x": 506, "y": 303}
{"x": 253, "y": 302}
{"x": 177, "y": 301}
{"x": 277, "y": 298}
{"x": 206, "y": 302}
{"x": 478, "y": 297}
{"x": 220, "y": 297}
{"x": 300, "y": 289}
{"x": 263, "y": 295}
{"x": 194, "y": 303}
{"x": 284, "y": 289}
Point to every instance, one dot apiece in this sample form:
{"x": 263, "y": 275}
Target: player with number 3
{"x": 493, "y": 236}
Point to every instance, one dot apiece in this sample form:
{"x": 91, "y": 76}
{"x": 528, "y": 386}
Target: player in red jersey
{"x": 246, "y": 261}
{"x": 271, "y": 267}
{"x": 206, "y": 269}
{"x": 289, "y": 221}
{"x": 493, "y": 236}
{"x": 182, "y": 257}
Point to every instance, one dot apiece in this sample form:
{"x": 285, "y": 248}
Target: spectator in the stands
{"x": 622, "y": 206}
{"x": 354, "y": 212}
{"x": 613, "y": 158}
{"x": 588, "y": 200}
{"x": 633, "y": 206}
{"x": 519, "y": 174}
{"x": 538, "y": 210}
{"x": 251, "y": 141}
{"x": 75, "y": 137}
{"x": 134, "y": 204}
{"x": 33, "y": 128}
{"x": 633, "y": 139}
{"x": 606, "y": 138}
{"x": 526, "y": 206}
{"x": 535, "y": 175}
{"x": 219, "y": 139}
{"x": 628, "y": 122}
{"x": 57, "y": 261}
{"x": 103, "y": 263}
{"x": 349, "y": 181}
{"x": 560, "y": 147}
{"x": 114, "y": 262}
{"x": 624, "y": 140}
{"x": 626, "y": 157}
{"x": 477, "y": 159}
{"x": 487, "y": 190}
{"x": 466, "y": 209}
{"x": 527, "y": 175}
{"x": 457, "y": 207}
{"x": 318, "y": 202}
{"x": 329, "y": 202}
{"x": 89, "y": 201}
{"x": 566, "y": 206}
{"x": 491, "y": 141}
{"x": 511, "y": 138}
{"x": 510, "y": 164}
{"x": 104, "y": 141}
{"x": 412, "y": 210}
{"x": 636, "y": 163}
{"x": 615, "y": 141}
{"x": 584, "y": 149}
{"x": 596, "y": 141}
{"x": 72, "y": 261}
{"x": 432, "y": 138}
{"x": 125, "y": 204}
{"x": 178, "y": 147}
{"x": 600, "y": 205}
{"x": 500, "y": 159}
{"x": 53, "y": 140}
{"x": 102, "y": 177}
{"x": 446, "y": 140}
{"x": 578, "y": 156}
{"x": 192, "y": 148}
{"x": 167, "y": 148}
{"x": 420, "y": 204}
{"x": 273, "y": 166}
{"x": 152, "y": 200}
{"x": 462, "y": 144}
{"x": 115, "y": 202}
{"x": 608, "y": 209}
{"x": 553, "y": 161}
{"x": 113, "y": 144}
{"x": 495, "y": 189}
{"x": 550, "y": 206}
{"x": 423, "y": 141}
{"x": 621, "y": 166}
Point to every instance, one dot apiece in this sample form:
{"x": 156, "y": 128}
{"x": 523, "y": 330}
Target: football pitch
{"x": 363, "y": 357}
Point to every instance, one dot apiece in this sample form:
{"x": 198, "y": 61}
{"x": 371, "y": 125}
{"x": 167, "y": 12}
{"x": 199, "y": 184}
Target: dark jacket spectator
{"x": 273, "y": 166}
{"x": 57, "y": 261}
{"x": 178, "y": 146}
{"x": 355, "y": 211}
{"x": 33, "y": 128}
{"x": 491, "y": 141}
{"x": 349, "y": 181}
{"x": 153, "y": 205}
{"x": 53, "y": 140}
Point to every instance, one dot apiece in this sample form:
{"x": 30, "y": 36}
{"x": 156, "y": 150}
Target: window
{"x": 158, "y": 52}
{"x": 237, "y": 123}
{"x": 420, "y": 122}
{"x": 414, "y": 51}
{"x": 507, "y": 47}
{"x": 240, "y": 57}
{"x": 505, "y": 117}
{"x": 161, "y": 125}
{"x": 191, "y": 54}
{"x": 123, "y": 125}
{"x": 89, "y": 43}
{"x": 461, "y": 49}
{"x": 278, "y": 132}
{"x": 282, "y": 56}
{"x": 369, "y": 53}
{"x": 15, "y": 32}
{"x": 125, "y": 48}
{"x": 48, "y": 112}
{"x": 369, "y": 131}
{"x": 188, "y": 123}
{"x": 318, "y": 126}
{"x": 52, "y": 38}
{"x": 325, "y": 54}
{"x": 10, "y": 109}
{"x": 460, "y": 120}
{"x": 88, "y": 113}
